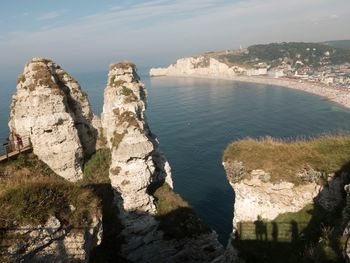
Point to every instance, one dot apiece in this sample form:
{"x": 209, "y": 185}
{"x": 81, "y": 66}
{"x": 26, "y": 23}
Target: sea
{"x": 195, "y": 119}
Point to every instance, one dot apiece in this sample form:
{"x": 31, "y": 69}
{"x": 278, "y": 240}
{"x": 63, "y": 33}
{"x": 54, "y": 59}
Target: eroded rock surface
{"x": 52, "y": 242}
{"x": 201, "y": 66}
{"x": 137, "y": 167}
{"x": 51, "y": 110}
{"x": 255, "y": 196}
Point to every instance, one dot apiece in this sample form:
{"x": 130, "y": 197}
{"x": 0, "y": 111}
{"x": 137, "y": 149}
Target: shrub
{"x": 176, "y": 218}
{"x": 96, "y": 169}
{"x": 126, "y": 91}
{"x": 21, "y": 78}
{"x": 117, "y": 138}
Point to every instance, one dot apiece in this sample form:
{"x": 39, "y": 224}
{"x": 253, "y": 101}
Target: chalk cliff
{"x": 205, "y": 66}
{"x": 195, "y": 66}
{"x": 255, "y": 196}
{"x": 138, "y": 168}
{"x": 51, "y": 110}
{"x": 282, "y": 195}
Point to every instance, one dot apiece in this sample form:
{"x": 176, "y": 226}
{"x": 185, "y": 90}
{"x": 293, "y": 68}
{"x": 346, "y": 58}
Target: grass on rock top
{"x": 123, "y": 65}
{"x": 283, "y": 160}
{"x": 30, "y": 193}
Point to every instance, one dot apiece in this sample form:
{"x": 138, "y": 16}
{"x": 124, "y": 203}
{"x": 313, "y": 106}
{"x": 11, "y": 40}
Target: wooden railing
{"x": 271, "y": 231}
{"x": 13, "y": 148}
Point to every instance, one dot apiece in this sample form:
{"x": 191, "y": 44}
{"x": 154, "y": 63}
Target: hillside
{"x": 293, "y": 53}
{"x": 338, "y": 43}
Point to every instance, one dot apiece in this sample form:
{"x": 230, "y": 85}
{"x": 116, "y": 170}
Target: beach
{"x": 340, "y": 96}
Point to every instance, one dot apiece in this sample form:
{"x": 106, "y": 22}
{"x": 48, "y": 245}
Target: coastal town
{"x": 304, "y": 62}
{"x": 337, "y": 76}
{"x": 311, "y": 67}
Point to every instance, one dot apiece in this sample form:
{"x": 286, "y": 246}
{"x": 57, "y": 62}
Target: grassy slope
{"x": 177, "y": 219}
{"x": 30, "y": 192}
{"x": 328, "y": 154}
{"x": 274, "y": 53}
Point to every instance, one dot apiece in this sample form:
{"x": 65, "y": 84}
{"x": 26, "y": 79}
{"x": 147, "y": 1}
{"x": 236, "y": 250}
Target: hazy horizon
{"x": 84, "y": 36}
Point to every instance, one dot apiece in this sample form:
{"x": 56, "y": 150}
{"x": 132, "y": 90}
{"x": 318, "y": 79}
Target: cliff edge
{"x": 290, "y": 201}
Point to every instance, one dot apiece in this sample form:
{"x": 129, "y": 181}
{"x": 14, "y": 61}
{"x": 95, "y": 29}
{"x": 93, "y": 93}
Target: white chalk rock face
{"x": 50, "y": 109}
{"x": 196, "y": 66}
{"x": 257, "y": 196}
{"x": 50, "y": 242}
{"x": 137, "y": 165}
{"x": 136, "y": 160}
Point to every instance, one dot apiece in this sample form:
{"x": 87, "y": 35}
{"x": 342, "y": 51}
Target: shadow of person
{"x": 294, "y": 231}
{"x": 259, "y": 229}
{"x": 274, "y": 231}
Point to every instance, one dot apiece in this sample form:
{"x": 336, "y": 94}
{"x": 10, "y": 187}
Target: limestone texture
{"x": 52, "y": 242}
{"x": 137, "y": 167}
{"x": 50, "y": 109}
{"x": 201, "y": 66}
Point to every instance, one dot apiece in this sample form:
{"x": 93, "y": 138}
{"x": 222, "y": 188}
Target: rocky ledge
{"x": 289, "y": 192}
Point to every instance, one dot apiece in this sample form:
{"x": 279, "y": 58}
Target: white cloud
{"x": 51, "y": 15}
{"x": 159, "y": 32}
{"x": 334, "y": 16}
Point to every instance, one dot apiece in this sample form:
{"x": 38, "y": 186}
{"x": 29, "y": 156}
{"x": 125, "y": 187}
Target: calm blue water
{"x": 195, "y": 119}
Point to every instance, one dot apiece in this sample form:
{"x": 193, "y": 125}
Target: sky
{"x": 85, "y": 36}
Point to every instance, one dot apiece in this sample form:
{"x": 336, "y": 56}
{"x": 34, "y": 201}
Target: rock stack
{"x": 50, "y": 109}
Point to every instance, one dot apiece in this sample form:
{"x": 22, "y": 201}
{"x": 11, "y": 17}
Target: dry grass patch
{"x": 30, "y": 193}
{"x": 123, "y": 65}
{"x": 117, "y": 138}
{"x": 176, "y": 218}
{"x": 283, "y": 160}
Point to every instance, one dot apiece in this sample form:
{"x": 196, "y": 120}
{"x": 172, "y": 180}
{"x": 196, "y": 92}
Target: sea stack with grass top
{"x": 278, "y": 183}
{"x": 158, "y": 226}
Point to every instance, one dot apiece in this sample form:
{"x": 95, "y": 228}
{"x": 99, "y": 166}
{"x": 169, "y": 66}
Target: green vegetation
{"x": 128, "y": 117}
{"x": 176, "y": 218}
{"x": 307, "y": 236}
{"x": 21, "y": 78}
{"x": 96, "y": 178}
{"x": 312, "y": 54}
{"x": 123, "y": 65}
{"x": 30, "y": 192}
{"x": 126, "y": 91}
{"x": 117, "y": 82}
{"x": 117, "y": 138}
{"x": 129, "y": 95}
{"x": 96, "y": 169}
{"x": 101, "y": 139}
{"x": 338, "y": 43}
{"x": 311, "y": 234}
{"x": 284, "y": 160}
{"x": 279, "y": 229}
